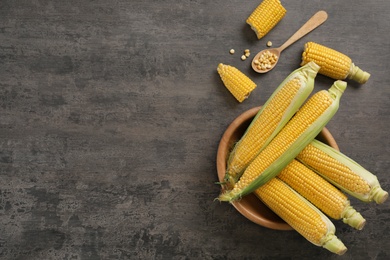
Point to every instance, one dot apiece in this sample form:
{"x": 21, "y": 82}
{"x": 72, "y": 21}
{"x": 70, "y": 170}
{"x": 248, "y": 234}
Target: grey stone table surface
{"x": 112, "y": 111}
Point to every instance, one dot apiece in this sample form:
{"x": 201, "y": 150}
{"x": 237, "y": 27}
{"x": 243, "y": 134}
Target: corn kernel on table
{"x": 112, "y": 112}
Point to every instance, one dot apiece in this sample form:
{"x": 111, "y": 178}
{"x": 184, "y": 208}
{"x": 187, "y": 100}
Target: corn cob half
{"x": 343, "y": 172}
{"x": 270, "y": 119}
{"x": 295, "y": 135}
{"x": 239, "y": 85}
{"x": 321, "y": 193}
{"x": 301, "y": 215}
{"x": 265, "y": 17}
{"x": 333, "y": 64}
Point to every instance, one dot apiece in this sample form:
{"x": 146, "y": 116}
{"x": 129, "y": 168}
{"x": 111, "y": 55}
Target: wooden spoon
{"x": 315, "y": 21}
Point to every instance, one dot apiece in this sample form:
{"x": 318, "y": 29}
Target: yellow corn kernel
{"x": 289, "y": 134}
{"x": 247, "y": 149}
{"x": 265, "y": 17}
{"x": 236, "y": 82}
{"x": 266, "y": 60}
{"x": 321, "y": 193}
{"x": 300, "y": 215}
{"x": 295, "y": 135}
{"x": 270, "y": 119}
{"x": 342, "y": 171}
{"x": 333, "y": 64}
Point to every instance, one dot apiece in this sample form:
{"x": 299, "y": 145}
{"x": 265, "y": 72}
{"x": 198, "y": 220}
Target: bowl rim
{"x": 242, "y": 206}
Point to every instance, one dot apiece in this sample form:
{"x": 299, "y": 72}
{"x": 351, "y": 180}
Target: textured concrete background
{"x": 111, "y": 114}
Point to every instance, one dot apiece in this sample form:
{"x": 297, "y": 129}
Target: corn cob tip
{"x": 335, "y": 245}
{"x": 353, "y": 218}
{"x": 338, "y": 88}
{"x": 358, "y": 75}
{"x": 313, "y": 66}
{"x": 379, "y": 195}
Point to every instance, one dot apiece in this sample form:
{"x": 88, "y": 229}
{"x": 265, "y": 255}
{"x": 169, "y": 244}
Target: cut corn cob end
{"x": 378, "y": 195}
{"x": 334, "y": 64}
{"x": 353, "y": 218}
{"x": 333, "y": 244}
{"x": 358, "y": 75}
{"x": 239, "y": 85}
{"x": 265, "y": 17}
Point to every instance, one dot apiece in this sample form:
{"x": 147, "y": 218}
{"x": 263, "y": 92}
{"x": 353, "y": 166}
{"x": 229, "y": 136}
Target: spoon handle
{"x": 316, "y": 20}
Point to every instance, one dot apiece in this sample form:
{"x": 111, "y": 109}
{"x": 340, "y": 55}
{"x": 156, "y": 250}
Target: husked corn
{"x": 321, "y": 193}
{"x": 239, "y": 85}
{"x": 301, "y": 215}
{"x": 343, "y": 172}
{"x": 265, "y": 17}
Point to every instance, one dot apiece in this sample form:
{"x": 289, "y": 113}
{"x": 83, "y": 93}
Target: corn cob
{"x": 333, "y": 63}
{"x": 301, "y": 215}
{"x": 265, "y": 17}
{"x": 270, "y": 119}
{"x": 236, "y": 82}
{"x": 295, "y": 135}
{"x": 343, "y": 172}
{"x": 321, "y": 193}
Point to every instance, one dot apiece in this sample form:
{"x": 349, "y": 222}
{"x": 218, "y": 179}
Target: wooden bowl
{"x": 250, "y": 206}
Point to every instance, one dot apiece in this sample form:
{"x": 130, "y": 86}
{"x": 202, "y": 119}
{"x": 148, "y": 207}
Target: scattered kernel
{"x": 247, "y": 53}
{"x": 231, "y": 51}
{"x": 269, "y": 43}
{"x": 243, "y": 57}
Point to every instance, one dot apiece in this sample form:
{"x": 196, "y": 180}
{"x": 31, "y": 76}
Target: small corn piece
{"x": 343, "y": 172}
{"x": 301, "y": 215}
{"x": 321, "y": 193}
{"x": 333, "y": 64}
{"x": 273, "y": 115}
{"x": 265, "y": 17}
{"x": 236, "y": 82}
{"x": 295, "y": 135}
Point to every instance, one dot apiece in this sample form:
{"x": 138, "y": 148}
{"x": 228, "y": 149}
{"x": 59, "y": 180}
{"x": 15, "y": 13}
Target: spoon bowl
{"x": 264, "y": 65}
{"x": 257, "y": 65}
